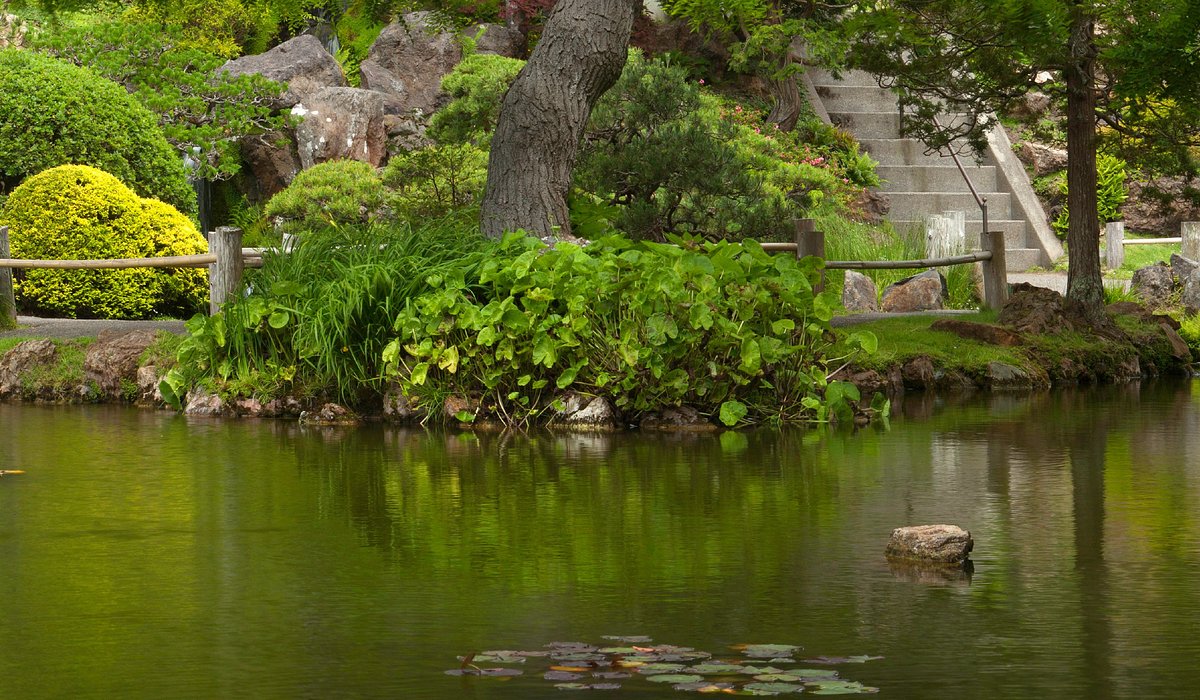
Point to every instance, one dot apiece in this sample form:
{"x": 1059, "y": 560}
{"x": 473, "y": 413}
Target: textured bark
{"x": 786, "y": 110}
{"x": 542, "y": 119}
{"x": 1084, "y": 281}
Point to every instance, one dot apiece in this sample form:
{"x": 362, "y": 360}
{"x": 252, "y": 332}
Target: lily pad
{"x": 815, "y": 674}
{"x": 769, "y": 651}
{"x": 611, "y": 675}
{"x": 759, "y": 670}
{"x": 494, "y": 672}
{"x": 570, "y": 647}
{"x": 833, "y": 660}
{"x": 562, "y": 676}
{"x": 675, "y": 678}
{"x": 496, "y": 657}
{"x": 654, "y": 669}
{"x": 617, "y": 650}
{"x": 715, "y": 668}
{"x": 839, "y": 688}
{"x": 581, "y": 656}
{"x": 634, "y": 639}
{"x": 705, "y": 687}
{"x": 779, "y": 678}
{"x": 588, "y": 686}
{"x": 773, "y": 688}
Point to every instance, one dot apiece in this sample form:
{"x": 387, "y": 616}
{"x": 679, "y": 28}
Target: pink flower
{"x": 702, "y": 81}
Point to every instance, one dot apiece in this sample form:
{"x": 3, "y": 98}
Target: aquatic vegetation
{"x": 582, "y": 666}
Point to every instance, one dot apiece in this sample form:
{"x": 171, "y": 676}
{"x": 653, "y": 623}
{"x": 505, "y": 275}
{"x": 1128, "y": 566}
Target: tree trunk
{"x": 542, "y": 118}
{"x": 786, "y": 110}
{"x": 1084, "y": 282}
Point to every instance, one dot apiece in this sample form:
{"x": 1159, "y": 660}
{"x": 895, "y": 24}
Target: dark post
{"x": 995, "y": 273}
{"x": 809, "y": 241}
{"x": 8, "y": 302}
{"x": 225, "y": 275}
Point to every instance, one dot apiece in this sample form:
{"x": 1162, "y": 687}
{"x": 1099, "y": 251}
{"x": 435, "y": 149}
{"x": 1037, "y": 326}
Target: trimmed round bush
{"x": 335, "y": 192}
{"x": 79, "y": 212}
{"x": 54, "y": 113}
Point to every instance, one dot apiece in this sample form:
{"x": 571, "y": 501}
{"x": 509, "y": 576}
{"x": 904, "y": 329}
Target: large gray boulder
{"x": 923, "y": 292}
{"x": 1182, "y": 267}
{"x": 1043, "y": 159}
{"x": 341, "y": 123}
{"x": 934, "y": 544}
{"x": 1190, "y": 296}
{"x": 111, "y": 362}
{"x": 496, "y": 39}
{"x": 581, "y": 412}
{"x": 1154, "y": 285}
{"x": 20, "y": 360}
{"x": 302, "y": 63}
{"x": 859, "y": 293}
{"x": 273, "y": 160}
{"x": 409, "y": 60}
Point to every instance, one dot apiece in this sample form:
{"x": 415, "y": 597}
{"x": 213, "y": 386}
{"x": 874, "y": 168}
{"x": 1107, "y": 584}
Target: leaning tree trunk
{"x": 1084, "y": 282}
{"x": 786, "y": 110}
{"x": 542, "y": 118}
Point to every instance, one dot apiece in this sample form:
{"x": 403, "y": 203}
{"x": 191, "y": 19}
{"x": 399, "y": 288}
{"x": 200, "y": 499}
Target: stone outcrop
{"x": 12, "y": 31}
{"x": 1154, "y": 285}
{"x": 1189, "y": 296}
{"x": 302, "y": 63}
{"x": 1042, "y": 159}
{"x": 202, "y": 403}
{"x": 859, "y": 293}
{"x": 677, "y": 418}
{"x": 1160, "y": 206}
{"x": 329, "y": 414}
{"x": 582, "y": 412}
{"x": 23, "y": 359}
{"x": 1034, "y": 310}
{"x": 341, "y": 124}
{"x": 934, "y": 544}
{"x": 496, "y": 39}
{"x": 409, "y": 60}
{"x": 273, "y": 160}
{"x": 113, "y": 360}
{"x": 923, "y": 292}
{"x": 398, "y": 408}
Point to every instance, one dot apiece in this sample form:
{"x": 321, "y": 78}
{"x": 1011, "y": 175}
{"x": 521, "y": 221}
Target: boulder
{"x": 582, "y": 412}
{"x": 341, "y": 124}
{"x": 859, "y": 293}
{"x": 918, "y": 373}
{"x": 302, "y": 63}
{"x": 1182, "y": 267}
{"x": 1042, "y": 159}
{"x": 935, "y": 544}
{"x": 273, "y": 160}
{"x": 1154, "y": 284}
{"x": 1003, "y": 376}
{"x": 22, "y": 359}
{"x": 1179, "y": 347}
{"x": 113, "y": 359}
{"x": 398, "y": 407}
{"x": 202, "y": 403}
{"x": 1030, "y": 105}
{"x": 923, "y": 292}
{"x": 329, "y": 414}
{"x": 677, "y": 418}
{"x": 1035, "y": 310}
{"x": 454, "y": 405}
{"x": 1189, "y": 298}
{"x": 1160, "y": 205}
{"x": 148, "y": 380}
{"x": 497, "y": 39}
{"x": 12, "y": 31}
{"x": 416, "y": 55}
{"x": 375, "y": 77}
{"x": 982, "y": 332}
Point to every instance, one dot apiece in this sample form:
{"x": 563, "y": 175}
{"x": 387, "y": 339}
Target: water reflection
{"x": 272, "y": 560}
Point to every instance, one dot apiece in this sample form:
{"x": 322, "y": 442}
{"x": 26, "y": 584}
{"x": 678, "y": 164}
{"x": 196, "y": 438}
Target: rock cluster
{"x": 1163, "y": 285}
{"x": 935, "y": 544}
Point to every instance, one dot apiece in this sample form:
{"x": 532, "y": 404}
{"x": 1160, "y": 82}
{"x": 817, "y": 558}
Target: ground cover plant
{"x": 723, "y": 327}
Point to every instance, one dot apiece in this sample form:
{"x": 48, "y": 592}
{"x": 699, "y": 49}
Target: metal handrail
{"x": 980, "y": 200}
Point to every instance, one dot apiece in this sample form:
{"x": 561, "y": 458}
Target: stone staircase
{"x": 919, "y": 184}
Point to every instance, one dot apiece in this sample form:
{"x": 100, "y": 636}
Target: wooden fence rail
{"x": 227, "y": 261}
{"x": 1115, "y": 242}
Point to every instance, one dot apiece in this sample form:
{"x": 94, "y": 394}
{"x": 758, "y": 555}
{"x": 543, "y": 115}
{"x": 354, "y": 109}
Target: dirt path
{"x": 32, "y": 327}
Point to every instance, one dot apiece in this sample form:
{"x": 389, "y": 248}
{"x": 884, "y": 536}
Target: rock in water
{"x": 935, "y": 544}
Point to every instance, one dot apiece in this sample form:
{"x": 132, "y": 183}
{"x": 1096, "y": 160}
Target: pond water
{"x": 148, "y": 555}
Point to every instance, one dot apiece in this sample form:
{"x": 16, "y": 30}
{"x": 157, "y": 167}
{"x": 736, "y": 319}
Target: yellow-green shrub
{"x": 79, "y": 212}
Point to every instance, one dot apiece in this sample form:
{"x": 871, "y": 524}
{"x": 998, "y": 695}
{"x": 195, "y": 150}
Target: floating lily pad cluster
{"x": 754, "y": 669}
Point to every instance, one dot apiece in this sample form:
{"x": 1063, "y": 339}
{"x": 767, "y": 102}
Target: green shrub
{"x": 1189, "y": 330}
{"x": 476, "y": 87}
{"x": 1110, "y": 193}
{"x": 336, "y": 192}
{"x": 79, "y": 212}
{"x": 53, "y": 113}
{"x": 721, "y": 326}
{"x": 435, "y": 181}
{"x": 316, "y": 320}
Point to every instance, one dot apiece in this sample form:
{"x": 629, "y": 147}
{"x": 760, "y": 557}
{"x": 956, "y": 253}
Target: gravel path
{"x": 32, "y": 327}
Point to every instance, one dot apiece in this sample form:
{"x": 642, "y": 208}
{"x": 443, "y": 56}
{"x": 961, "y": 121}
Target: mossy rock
{"x": 78, "y": 212}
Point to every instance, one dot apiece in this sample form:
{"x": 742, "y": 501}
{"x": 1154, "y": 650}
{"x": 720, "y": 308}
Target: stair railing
{"x": 980, "y": 200}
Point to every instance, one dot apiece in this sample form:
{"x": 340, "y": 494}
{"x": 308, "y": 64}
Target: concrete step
{"x": 868, "y": 125}
{"x": 915, "y": 206}
{"x": 857, "y": 98}
{"x": 1021, "y": 259}
{"x": 1014, "y": 230}
{"x": 936, "y": 178}
{"x": 852, "y": 78}
{"x": 897, "y": 151}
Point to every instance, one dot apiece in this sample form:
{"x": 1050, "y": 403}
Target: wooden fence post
{"x": 995, "y": 273}
{"x": 225, "y": 275}
{"x": 8, "y": 302}
{"x": 1114, "y": 244}
{"x": 1190, "y": 232}
{"x": 810, "y": 242}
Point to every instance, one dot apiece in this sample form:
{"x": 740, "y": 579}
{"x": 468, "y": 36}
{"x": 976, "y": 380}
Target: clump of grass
{"x": 907, "y": 337}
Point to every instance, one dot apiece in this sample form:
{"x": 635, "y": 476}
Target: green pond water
{"x": 148, "y": 555}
